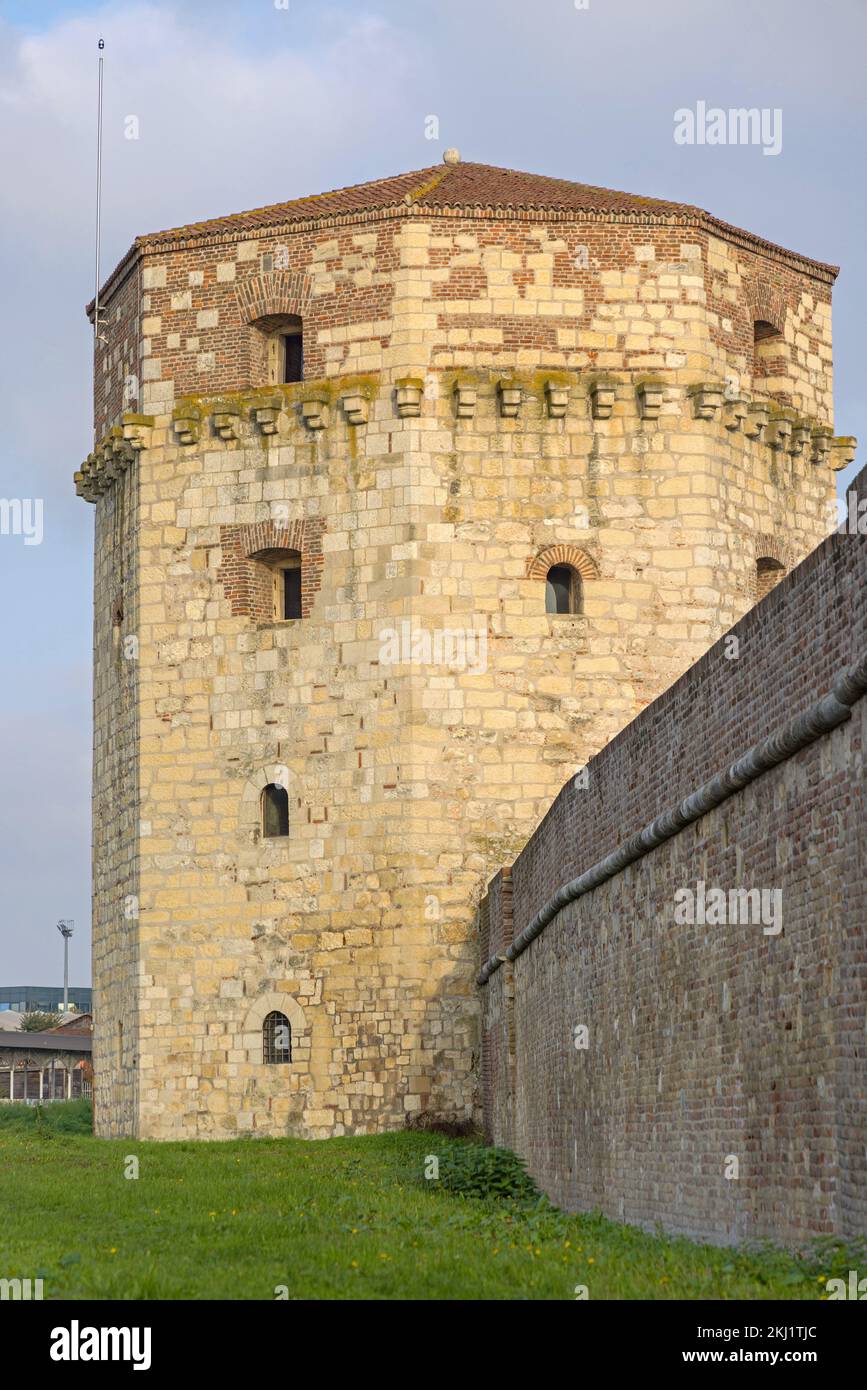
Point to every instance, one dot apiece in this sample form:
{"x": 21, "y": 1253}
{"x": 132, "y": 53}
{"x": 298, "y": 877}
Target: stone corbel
{"x": 843, "y": 448}
{"x": 185, "y": 423}
{"x": 466, "y": 397}
{"x": 511, "y": 397}
{"x": 557, "y": 397}
{"x": 757, "y": 419}
{"x": 779, "y": 431}
{"x": 82, "y": 487}
{"x": 408, "y": 392}
{"x": 85, "y": 480}
{"x": 734, "y": 412}
{"x": 95, "y": 476}
{"x": 227, "y": 420}
{"x": 800, "y": 437}
{"x": 266, "y": 412}
{"x": 105, "y": 468}
{"x": 820, "y": 445}
{"x": 137, "y": 431}
{"x": 314, "y": 412}
{"x": 650, "y": 398}
{"x": 707, "y": 399}
{"x": 123, "y": 456}
{"x": 602, "y": 396}
{"x": 355, "y": 408}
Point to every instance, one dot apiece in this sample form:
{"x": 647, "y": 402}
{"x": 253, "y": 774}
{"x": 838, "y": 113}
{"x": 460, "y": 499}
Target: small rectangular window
{"x": 292, "y": 592}
{"x": 294, "y": 357}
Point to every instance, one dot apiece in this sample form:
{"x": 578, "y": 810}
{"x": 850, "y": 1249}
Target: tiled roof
{"x": 454, "y": 186}
{"x": 440, "y": 185}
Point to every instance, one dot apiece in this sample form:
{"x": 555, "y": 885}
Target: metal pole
{"x": 66, "y": 927}
{"x": 98, "y": 198}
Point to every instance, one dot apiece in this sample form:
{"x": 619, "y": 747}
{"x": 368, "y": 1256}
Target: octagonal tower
{"x": 408, "y": 497}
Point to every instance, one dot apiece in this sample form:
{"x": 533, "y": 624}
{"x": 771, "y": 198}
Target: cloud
{"x": 220, "y": 125}
{"x": 244, "y": 104}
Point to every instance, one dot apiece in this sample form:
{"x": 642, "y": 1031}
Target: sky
{"x": 244, "y": 104}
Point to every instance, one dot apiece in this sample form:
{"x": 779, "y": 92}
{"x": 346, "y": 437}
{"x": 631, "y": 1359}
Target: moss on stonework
{"x": 328, "y": 390}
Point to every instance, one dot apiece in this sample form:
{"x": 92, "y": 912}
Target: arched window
{"x": 275, "y": 811}
{"x": 769, "y": 572}
{"x": 562, "y": 590}
{"x": 276, "y": 1038}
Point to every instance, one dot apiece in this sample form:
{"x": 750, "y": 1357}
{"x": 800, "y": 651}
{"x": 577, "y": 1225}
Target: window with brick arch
{"x": 282, "y": 573}
{"x": 562, "y": 590}
{"x": 769, "y": 572}
{"x": 769, "y": 349}
{"x": 281, "y": 349}
{"x": 276, "y": 1039}
{"x": 275, "y": 812}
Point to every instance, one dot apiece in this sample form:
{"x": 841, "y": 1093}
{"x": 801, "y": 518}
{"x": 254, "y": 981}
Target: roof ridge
{"x": 417, "y": 195}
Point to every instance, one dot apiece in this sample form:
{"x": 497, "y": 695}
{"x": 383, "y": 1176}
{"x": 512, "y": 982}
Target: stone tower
{"x": 408, "y": 497}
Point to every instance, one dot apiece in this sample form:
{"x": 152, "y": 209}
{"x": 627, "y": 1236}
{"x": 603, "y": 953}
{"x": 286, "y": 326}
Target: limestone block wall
{"x": 706, "y": 1040}
{"x": 410, "y": 774}
{"x": 116, "y": 808}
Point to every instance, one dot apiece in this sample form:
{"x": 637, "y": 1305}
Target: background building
{"x": 44, "y": 999}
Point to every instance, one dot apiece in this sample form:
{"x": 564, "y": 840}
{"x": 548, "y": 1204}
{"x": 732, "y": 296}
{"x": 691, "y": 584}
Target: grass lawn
{"x": 341, "y": 1218}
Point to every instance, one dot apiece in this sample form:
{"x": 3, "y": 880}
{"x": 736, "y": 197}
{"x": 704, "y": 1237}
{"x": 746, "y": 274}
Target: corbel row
{"x": 781, "y": 428}
{"x": 227, "y": 417}
{"x": 112, "y": 456}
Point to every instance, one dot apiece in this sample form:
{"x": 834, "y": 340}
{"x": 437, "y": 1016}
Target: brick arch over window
{"x": 767, "y": 304}
{"x": 771, "y": 563}
{"x": 274, "y": 293}
{"x": 772, "y": 548}
{"x": 770, "y": 361}
{"x": 248, "y": 585}
{"x": 579, "y": 560}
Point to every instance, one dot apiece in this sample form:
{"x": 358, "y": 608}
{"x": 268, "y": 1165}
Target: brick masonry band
{"x": 833, "y": 709}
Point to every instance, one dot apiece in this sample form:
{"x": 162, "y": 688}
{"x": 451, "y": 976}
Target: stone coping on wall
{"x": 820, "y": 718}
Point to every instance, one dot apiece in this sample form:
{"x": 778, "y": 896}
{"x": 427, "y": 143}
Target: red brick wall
{"x": 769, "y": 286}
{"x": 117, "y": 371}
{"x": 248, "y": 583}
{"x": 705, "y": 1041}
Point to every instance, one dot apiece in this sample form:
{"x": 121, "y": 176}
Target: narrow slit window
{"x": 275, "y": 812}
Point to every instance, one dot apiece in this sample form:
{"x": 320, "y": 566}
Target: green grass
{"x": 342, "y": 1218}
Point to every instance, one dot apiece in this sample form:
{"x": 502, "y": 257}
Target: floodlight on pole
{"x": 66, "y": 926}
